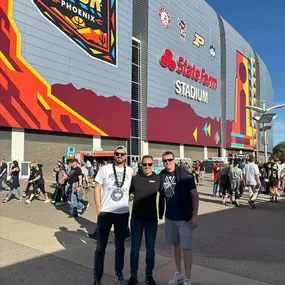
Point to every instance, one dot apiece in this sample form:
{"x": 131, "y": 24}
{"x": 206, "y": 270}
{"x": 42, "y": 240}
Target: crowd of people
{"x": 231, "y": 178}
{"x": 115, "y": 182}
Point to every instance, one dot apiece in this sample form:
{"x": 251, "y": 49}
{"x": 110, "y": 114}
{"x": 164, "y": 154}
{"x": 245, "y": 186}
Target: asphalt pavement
{"x": 42, "y": 245}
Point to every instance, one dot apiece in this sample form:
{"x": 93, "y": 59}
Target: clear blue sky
{"x": 267, "y": 37}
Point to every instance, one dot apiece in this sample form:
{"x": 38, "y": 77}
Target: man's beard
{"x": 120, "y": 162}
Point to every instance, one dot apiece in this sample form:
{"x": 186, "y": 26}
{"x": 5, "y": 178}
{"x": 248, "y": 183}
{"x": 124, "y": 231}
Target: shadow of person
{"x": 70, "y": 238}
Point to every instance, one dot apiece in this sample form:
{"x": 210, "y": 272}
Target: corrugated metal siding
{"x": 140, "y": 31}
{"x": 194, "y": 152}
{"x": 157, "y": 149}
{"x": 59, "y": 60}
{"x": 266, "y": 93}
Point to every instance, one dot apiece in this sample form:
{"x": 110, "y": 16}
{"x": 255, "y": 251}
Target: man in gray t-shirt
{"x": 236, "y": 178}
{"x": 252, "y": 181}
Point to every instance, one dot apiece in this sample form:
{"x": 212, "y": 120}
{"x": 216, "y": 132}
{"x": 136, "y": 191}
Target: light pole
{"x": 266, "y": 117}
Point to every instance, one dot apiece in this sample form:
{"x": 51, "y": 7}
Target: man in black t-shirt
{"x": 75, "y": 184}
{"x": 144, "y": 186}
{"x": 3, "y": 173}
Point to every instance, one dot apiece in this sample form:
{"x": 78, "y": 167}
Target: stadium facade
{"x": 151, "y": 75}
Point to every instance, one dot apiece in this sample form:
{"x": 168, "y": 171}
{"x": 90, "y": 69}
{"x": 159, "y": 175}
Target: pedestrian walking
{"x": 144, "y": 187}
{"x": 3, "y": 174}
{"x": 75, "y": 181}
{"x": 14, "y": 181}
{"x": 31, "y": 177}
{"x": 179, "y": 192}
{"x": 225, "y": 183}
{"x": 251, "y": 181}
{"x": 112, "y": 204}
{"x": 236, "y": 180}
{"x": 39, "y": 183}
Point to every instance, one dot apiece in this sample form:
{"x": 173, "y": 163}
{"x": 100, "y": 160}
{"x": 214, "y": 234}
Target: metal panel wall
{"x": 172, "y": 117}
{"x": 157, "y": 149}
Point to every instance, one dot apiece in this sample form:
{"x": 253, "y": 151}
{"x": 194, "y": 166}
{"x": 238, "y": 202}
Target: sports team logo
{"x": 182, "y": 29}
{"x": 212, "y": 51}
{"x": 90, "y": 24}
{"x": 164, "y": 17}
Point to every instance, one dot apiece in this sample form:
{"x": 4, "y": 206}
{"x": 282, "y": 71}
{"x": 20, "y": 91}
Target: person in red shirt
{"x": 216, "y": 167}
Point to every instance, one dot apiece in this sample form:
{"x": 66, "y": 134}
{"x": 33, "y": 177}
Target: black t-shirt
{"x": 274, "y": 170}
{"x": 74, "y": 175}
{"x": 145, "y": 189}
{"x": 3, "y": 166}
{"x": 39, "y": 173}
{"x": 33, "y": 172}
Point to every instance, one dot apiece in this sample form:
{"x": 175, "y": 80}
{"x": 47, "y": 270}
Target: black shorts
{"x": 273, "y": 182}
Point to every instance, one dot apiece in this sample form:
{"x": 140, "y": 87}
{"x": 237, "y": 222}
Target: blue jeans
{"x": 150, "y": 230}
{"x": 3, "y": 178}
{"x": 215, "y": 187}
{"x": 13, "y": 191}
{"x": 76, "y": 203}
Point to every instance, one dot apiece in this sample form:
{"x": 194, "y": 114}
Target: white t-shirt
{"x": 113, "y": 198}
{"x": 250, "y": 171}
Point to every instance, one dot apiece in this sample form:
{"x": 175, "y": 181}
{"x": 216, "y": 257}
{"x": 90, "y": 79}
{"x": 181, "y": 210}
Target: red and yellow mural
{"x": 242, "y": 132}
{"x": 27, "y": 100}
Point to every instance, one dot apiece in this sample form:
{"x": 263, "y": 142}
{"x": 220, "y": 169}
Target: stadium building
{"x": 151, "y": 75}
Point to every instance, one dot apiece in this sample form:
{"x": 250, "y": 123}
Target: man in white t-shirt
{"x": 252, "y": 181}
{"x": 112, "y": 204}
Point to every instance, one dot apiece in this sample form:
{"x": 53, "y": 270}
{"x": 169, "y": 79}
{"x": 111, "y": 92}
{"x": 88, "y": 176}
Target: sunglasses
{"x": 168, "y": 160}
{"x": 147, "y": 164}
{"x": 120, "y": 154}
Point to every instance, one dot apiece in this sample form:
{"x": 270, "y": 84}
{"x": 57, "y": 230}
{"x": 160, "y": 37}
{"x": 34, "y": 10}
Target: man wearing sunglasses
{"x": 144, "y": 187}
{"x": 111, "y": 196}
{"x": 178, "y": 191}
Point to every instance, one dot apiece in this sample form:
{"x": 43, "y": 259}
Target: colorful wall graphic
{"x": 28, "y": 100}
{"x": 243, "y": 128}
{"x": 90, "y": 24}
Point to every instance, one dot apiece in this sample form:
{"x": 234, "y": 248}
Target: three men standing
{"x": 177, "y": 189}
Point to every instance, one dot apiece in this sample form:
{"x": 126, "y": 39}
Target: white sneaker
{"x": 28, "y": 201}
{"x": 177, "y": 279}
{"x": 47, "y": 201}
{"x": 188, "y": 282}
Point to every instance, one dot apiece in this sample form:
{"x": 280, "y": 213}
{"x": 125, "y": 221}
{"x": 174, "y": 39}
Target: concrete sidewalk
{"x": 41, "y": 245}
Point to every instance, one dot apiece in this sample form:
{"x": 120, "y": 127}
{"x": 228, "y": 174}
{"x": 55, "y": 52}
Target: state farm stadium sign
{"x": 191, "y": 71}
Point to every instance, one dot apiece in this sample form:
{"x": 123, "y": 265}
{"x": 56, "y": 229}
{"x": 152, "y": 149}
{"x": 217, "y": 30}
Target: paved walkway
{"x": 40, "y": 245}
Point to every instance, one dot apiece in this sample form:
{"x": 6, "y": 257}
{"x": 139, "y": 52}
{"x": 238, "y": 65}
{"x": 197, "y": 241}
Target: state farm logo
{"x": 182, "y": 67}
{"x": 166, "y": 60}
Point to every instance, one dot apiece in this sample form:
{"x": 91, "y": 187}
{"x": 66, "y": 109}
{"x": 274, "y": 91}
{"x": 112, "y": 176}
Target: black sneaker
{"x": 133, "y": 281}
{"x": 119, "y": 279}
{"x": 97, "y": 282}
{"x": 150, "y": 280}
{"x": 93, "y": 236}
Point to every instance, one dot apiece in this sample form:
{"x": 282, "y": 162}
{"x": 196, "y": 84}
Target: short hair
{"x": 251, "y": 159}
{"x": 3, "y": 159}
{"x": 147, "y": 156}
{"x": 168, "y": 152}
{"x": 236, "y": 162}
{"x": 74, "y": 160}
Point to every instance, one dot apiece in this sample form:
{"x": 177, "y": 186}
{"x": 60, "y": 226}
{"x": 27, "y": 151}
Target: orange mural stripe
{"x": 24, "y": 115}
{"x": 18, "y": 54}
{"x": 8, "y": 116}
{"x": 43, "y": 102}
{"x": 6, "y": 61}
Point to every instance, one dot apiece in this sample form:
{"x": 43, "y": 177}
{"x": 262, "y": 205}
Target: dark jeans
{"x": 3, "y": 178}
{"x": 59, "y": 194}
{"x": 104, "y": 224}
{"x": 29, "y": 185}
{"x": 150, "y": 230}
{"x": 215, "y": 187}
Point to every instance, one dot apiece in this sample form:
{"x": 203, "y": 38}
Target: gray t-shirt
{"x": 235, "y": 174}
{"x": 250, "y": 171}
